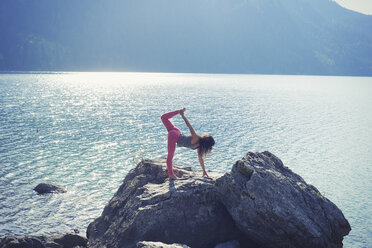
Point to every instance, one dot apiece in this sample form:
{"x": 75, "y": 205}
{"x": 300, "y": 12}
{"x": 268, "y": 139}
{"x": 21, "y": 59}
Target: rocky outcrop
{"x": 260, "y": 203}
{"x": 65, "y": 241}
{"x": 45, "y": 188}
{"x": 148, "y": 206}
{"x": 277, "y": 208}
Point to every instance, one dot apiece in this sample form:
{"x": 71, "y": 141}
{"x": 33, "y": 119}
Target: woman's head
{"x": 206, "y": 143}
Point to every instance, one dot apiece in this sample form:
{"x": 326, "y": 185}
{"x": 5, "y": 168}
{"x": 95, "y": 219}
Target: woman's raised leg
{"x": 165, "y": 119}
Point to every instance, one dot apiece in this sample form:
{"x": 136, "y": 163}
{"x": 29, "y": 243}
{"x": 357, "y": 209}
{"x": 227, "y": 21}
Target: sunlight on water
{"x": 85, "y": 131}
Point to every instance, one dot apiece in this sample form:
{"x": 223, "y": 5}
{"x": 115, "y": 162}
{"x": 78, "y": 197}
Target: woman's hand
{"x": 182, "y": 111}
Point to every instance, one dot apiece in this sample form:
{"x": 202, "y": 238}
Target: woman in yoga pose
{"x": 203, "y": 144}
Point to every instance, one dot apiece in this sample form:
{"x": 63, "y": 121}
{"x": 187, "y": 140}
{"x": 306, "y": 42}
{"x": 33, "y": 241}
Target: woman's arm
{"x": 201, "y": 161}
{"x": 192, "y": 131}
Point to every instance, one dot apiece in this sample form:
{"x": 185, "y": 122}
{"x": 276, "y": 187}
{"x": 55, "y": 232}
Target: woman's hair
{"x": 206, "y": 143}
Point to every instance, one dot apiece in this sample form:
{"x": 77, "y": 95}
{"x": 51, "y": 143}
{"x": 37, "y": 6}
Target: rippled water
{"x": 85, "y": 131}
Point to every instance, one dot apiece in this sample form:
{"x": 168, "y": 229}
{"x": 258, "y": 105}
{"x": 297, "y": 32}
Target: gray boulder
{"x": 260, "y": 203}
{"x": 45, "y": 188}
{"x": 277, "y": 208}
{"x": 149, "y": 206}
{"x": 64, "y": 241}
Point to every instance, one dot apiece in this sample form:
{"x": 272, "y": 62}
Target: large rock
{"x": 45, "y": 188}
{"x": 149, "y": 206}
{"x": 260, "y": 203}
{"x": 64, "y": 241}
{"x": 277, "y": 208}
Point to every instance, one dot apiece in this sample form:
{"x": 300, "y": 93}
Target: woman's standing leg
{"x": 173, "y": 135}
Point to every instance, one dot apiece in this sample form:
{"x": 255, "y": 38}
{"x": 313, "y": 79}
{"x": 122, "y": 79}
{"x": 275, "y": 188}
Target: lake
{"x": 85, "y": 131}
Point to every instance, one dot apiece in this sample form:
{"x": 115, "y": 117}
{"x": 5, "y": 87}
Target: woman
{"x": 203, "y": 144}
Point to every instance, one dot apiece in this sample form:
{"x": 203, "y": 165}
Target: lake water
{"x": 85, "y": 131}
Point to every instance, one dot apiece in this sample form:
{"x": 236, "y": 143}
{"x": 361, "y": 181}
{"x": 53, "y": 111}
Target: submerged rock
{"x": 277, "y": 208}
{"x": 64, "y": 241}
{"x": 260, "y": 203}
{"x": 149, "y": 206}
{"x": 45, "y": 188}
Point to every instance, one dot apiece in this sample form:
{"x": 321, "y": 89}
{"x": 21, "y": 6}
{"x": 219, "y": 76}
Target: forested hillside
{"x": 214, "y": 36}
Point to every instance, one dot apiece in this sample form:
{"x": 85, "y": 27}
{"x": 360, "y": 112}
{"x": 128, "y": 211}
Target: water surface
{"x": 85, "y": 131}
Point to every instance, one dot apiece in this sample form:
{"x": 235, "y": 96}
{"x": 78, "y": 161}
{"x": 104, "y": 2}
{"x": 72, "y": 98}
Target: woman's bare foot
{"x": 182, "y": 111}
{"x": 173, "y": 177}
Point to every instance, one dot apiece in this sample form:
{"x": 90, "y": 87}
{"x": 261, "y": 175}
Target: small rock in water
{"x": 65, "y": 241}
{"x": 45, "y": 188}
{"x": 22, "y": 241}
{"x": 71, "y": 240}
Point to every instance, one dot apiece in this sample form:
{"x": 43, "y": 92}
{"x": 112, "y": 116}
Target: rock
{"x": 149, "y": 206}
{"x": 22, "y": 242}
{"x": 230, "y": 244}
{"x": 146, "y": 244}
{"x": 260, "y": 203}
{"x": 276, "y": 208}
{"x": 44, "y": 188}
{"x": 65, "y": 241}
{"x": 71, "y": 240}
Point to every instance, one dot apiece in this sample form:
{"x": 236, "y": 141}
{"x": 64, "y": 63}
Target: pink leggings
{"x": 173, "y": 135}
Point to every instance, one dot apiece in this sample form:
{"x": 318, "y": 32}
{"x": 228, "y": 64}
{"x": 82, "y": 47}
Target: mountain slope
{"x": 218, "y": 36}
